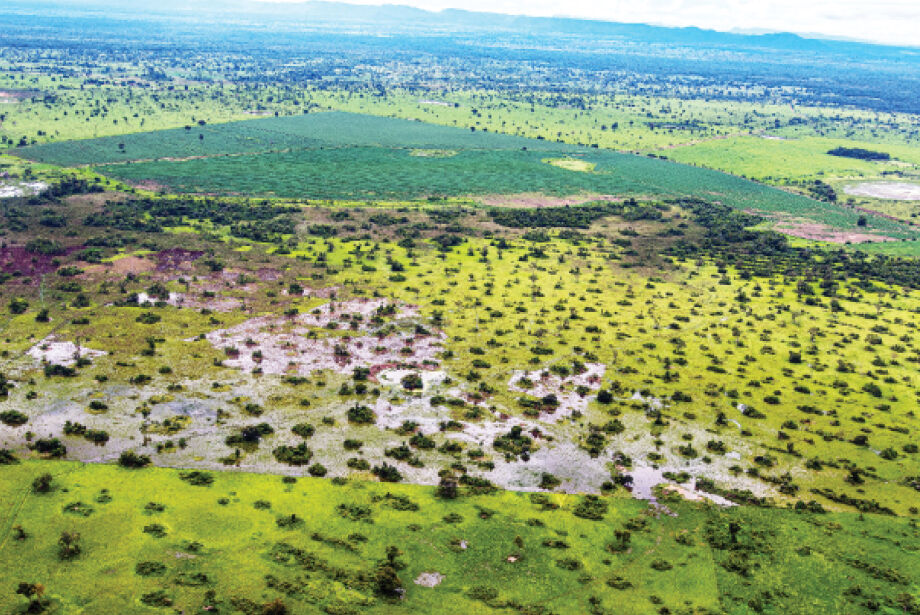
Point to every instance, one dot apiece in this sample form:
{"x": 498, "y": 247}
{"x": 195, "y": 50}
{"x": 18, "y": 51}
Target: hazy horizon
{"x": 890, "y": 22}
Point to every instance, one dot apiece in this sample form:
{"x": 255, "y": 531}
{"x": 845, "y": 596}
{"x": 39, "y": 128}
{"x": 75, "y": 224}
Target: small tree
{"x": 69, "y": 545}
{"x": 35, "y": 593}
{"x": 42, "y": 484}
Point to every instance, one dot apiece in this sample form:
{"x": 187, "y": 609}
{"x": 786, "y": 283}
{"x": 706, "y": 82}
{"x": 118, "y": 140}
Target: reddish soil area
{"x": 173, "y": 258}
{"x": 17, "y": 261}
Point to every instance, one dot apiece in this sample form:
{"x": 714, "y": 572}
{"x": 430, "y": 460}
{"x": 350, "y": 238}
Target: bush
{"x": 18, "y": 305}
{"x": 42, "y": 483}
{"x": 149, "y": 569}
{"x": 69, "y": 546}
{"x": 50, "y": 447}
{"x": 591, "y": 507}
{"x": 361, "y": 415}
{"x": 412, "y": 382}
{"x": 13, "y": 418}
{"x": 130, "y": 459}
{"x": 304, "y": 430}
{"x": 293, "y": 455}
{"x": 197, "y": 478}
{"x": 317, "y": 470}
{"x": 387, "y": 473}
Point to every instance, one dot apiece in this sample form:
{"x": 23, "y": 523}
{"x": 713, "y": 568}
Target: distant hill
{"x": 312, "y": 11}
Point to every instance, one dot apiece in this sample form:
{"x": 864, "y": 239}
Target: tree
{"x": 130, "y": 459}
{"x": 35, "y": 593}
{"x": 387, "y": 580}
{"x": 42, "y": 484}
{"x": 69, "y": 545}
{"x": 447, "y": 488}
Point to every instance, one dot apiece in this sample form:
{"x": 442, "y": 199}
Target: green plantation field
{"x": 150, "y": 541}
{"x": 356, "y": 157}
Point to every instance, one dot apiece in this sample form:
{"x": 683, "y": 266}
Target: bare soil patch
{"x": 295, "y": 345}
{"x": 893, "y": 191}
{"x": 821, "y": 232}
{"x": 123, "y": 265}
{"x": 565, "y": 389}
{"x": 52, "y": 350}
{"x": 176, "y": 258}
{"x": 536, "y": 200}
{"x": 18, "y": 261}
{"x": 429, "y": 579}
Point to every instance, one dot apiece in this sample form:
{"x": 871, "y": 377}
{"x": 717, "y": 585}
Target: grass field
{"x": 151, "y": 542}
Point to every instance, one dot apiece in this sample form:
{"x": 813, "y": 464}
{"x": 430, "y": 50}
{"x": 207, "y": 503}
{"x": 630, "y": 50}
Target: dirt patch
{"x": 536, "y": 200}
{"x": 176, "y": 258}
{"x": 13, "y": 96}
{"x": 16, "y": 260}
{"x": 566, "y": 389}
{"x": 22, "y": 189}
{"x": 820, "y": 232}
{"x": 123, "y": 265}
{"x": 892, "y": 191}
{"x": 51, "y": 350}
{"x": 301, "y": 344}
{"x": 429, "y": 579}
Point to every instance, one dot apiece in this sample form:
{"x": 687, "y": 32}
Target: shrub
{"x": 42, "y": 483}
{"x": 130, "y": 459}
{"x": 69, "y": 546}
{"x": 197, "y": 478}
{"x": 304, "y": 430}
{"x": 293, "y": 455}
{"x": 18, "y": 305}
{"x": 149, "y": 569}
{"x": 361, "y": 415}
{"x": 148, "y": 318}
{"x": 13, "y": 418}
{"x": 412, "y": 382}
{"x": 50, "y": 447}
{"x": 591, "y": 507}
{"x": 387, "y": 473}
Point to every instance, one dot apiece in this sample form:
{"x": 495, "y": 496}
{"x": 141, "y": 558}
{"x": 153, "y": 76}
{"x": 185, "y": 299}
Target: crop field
{"x": 353, "y": 157}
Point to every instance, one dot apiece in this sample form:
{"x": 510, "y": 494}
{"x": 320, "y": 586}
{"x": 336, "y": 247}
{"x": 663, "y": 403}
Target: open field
{"x": 151, "y": 542}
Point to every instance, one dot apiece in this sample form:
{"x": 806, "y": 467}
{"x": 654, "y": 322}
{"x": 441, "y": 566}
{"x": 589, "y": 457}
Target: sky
{"x": 895, "y": 22}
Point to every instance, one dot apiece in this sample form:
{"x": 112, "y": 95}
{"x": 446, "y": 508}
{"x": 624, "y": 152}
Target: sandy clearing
{"x": 546, "y": 383}
{"x": 123, "y": 265}
{"x": 894, "y": 191}
{"x": 21, "y": 189}
{"x": 821, "y": 232}
{"x": 51, "y": 350}
{"x": 280, "y": 345}
{"x": 537, "y": 200}
{"x": 429, "y": 579}
{"x": 646, "y": 478}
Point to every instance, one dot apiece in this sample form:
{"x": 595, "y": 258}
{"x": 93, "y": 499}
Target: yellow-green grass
{"x": 219, "y": 532}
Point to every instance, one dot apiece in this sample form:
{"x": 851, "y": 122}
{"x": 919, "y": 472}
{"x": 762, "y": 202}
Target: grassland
{"x": 450, "y": 352}
{"x": 763, "y": 384}
{"x": 152, "y": 542}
